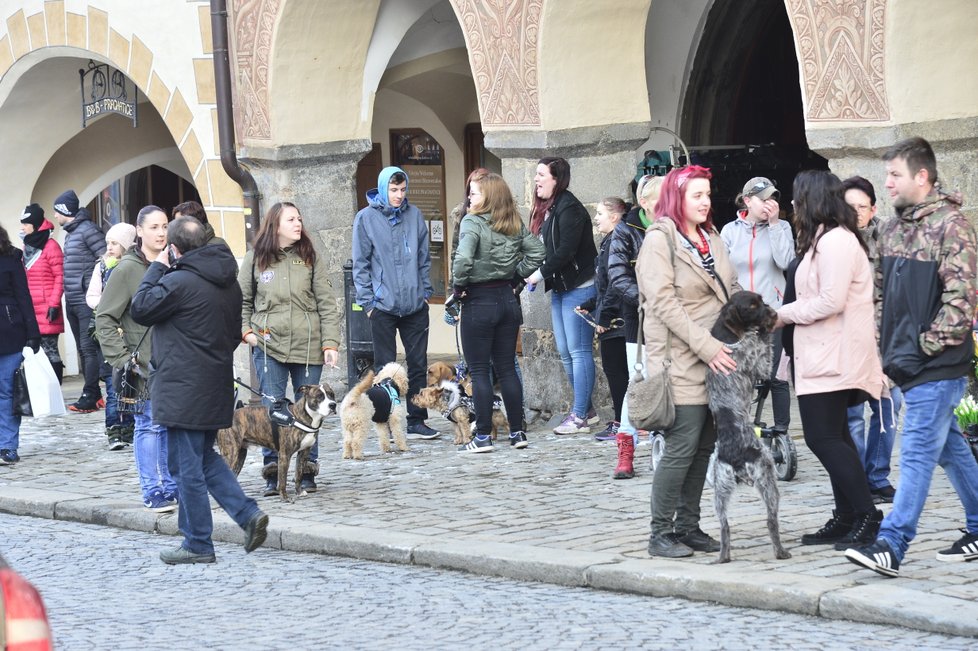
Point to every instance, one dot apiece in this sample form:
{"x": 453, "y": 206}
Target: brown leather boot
{"x": 626, "y": 454}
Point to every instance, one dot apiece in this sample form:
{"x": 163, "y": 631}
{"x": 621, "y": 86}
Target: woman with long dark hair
{"x": 684, "y": 278}
{"x": 119, "y": 337}
{"x": 564, "y": 225}
{"x": 494, "y": 247}
{"x": 289, "y": 317}
{"x": 18, "y": 328}
{"x": 836, "y": 363}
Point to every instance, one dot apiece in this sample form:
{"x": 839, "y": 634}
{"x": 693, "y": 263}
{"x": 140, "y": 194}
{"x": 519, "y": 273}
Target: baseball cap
{"x": 762, "y": 187}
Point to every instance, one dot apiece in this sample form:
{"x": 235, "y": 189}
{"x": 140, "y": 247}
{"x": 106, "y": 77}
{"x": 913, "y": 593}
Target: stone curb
{"x": 875, "y": 602}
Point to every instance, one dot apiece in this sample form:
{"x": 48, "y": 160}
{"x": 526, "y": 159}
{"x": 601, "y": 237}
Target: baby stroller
{"x": 780, "y": 443}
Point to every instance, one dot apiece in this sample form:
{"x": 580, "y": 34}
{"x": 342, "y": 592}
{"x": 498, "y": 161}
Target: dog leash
{"x": 254, "y": 391}
{"x": 279, "y": 419}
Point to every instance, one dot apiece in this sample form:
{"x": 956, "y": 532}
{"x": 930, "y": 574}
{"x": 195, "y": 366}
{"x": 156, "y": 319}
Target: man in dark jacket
{"x": 191, "y": 385}
{"x": 925, "y": 299}
{"x": 84, "y": 244}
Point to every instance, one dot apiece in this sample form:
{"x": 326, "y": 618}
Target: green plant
{"x": 967, "y": 412}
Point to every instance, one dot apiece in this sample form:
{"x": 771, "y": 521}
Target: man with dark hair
{"x": 925, "y": 305}
{"x": 391, "y": 265}
{"x": 192, "y": 389}
{"x": 194, "y": 209}
{"x": 84, "y": 245}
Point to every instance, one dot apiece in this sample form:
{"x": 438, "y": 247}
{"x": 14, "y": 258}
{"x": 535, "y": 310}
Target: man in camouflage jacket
{"x": 925, "y": 300}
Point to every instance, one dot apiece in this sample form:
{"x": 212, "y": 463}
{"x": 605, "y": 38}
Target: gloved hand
{"x": 53, "y": 314}
{"x": 34, "y": 343}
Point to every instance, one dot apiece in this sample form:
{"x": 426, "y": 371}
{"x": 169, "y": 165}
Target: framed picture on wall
{"x": 422, "y": 158}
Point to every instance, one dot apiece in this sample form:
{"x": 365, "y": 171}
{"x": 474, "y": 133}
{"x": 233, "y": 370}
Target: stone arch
{"x": 55, "y": 33}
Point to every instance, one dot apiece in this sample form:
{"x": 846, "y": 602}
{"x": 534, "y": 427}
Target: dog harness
{"x": 280, "y": 415}
{"x": 385, "y": 397}
{"x": 462, "y": 399}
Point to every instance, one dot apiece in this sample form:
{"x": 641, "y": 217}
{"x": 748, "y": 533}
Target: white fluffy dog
{"x": 379, "y": 400}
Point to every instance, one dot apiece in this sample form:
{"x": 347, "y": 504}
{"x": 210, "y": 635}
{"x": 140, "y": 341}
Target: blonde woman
{"x": 494, "y": 249}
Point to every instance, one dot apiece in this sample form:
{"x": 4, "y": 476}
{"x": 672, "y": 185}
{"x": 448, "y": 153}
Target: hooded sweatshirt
{"x": 391, "y": 260}
{"x": 760, "y": 254}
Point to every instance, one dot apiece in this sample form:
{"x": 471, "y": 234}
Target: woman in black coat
{"x": 18, "y": 328}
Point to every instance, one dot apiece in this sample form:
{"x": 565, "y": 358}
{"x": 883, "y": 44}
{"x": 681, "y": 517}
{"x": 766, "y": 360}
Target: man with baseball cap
{"x": 84, "y": 245}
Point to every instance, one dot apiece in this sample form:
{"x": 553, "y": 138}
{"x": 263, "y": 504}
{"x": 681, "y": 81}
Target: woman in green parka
{"x": 289, "y": 317}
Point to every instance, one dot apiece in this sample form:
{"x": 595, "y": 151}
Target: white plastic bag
{"x": 42, "y": 384}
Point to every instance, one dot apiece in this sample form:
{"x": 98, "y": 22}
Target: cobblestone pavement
{"x": 556, "y": 499}
{"x": 279, "y": 599}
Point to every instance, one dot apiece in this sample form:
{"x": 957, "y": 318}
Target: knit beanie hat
{"x": 33, "y": 215}
{"x": 66, "y": 204}
{"x": 124, "y": 234}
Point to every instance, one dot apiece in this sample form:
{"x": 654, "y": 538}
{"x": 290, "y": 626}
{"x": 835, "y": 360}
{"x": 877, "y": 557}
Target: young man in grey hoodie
{"x": 391, "y": 265}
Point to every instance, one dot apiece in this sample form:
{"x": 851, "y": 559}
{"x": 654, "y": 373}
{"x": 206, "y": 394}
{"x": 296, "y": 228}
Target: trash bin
{"x": 359, "y": 342}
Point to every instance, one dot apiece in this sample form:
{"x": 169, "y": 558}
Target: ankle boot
{"x": 626, "y": 455}
{"x": 832, "y": 531}
{"x": 863, "y": 532}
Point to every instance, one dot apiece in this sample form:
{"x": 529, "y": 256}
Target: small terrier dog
{"x": 744, "y": 325}
{"x": 378, "y": 399}
{"x": 440, "y": 371}
{"x": 458, "y": 409}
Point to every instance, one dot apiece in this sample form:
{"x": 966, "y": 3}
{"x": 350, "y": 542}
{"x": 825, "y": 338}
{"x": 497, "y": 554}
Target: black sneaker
{"x": 271, "y": 488}
{"x": 8, "y": 457}
{"x": 698, "y": 541}
{"x": 477, "y": 444}
{"x": 518, "y": 440}
{"x": 883, "y": 495}
{"x": 420, "y": 431}
{"x": 667, "y": 546}
{"x": 116, "y": 443}
{"x": 255, "y": 532}
{"x": 863, "y": 532}
{"x": 308, "y": 484}
{"x": 878, "y": 557}
{"x": 85, "y": 404}
{"x": 837, "y": 528}
{"x": 609, "y": 433}
{"x": 964, "y": 550}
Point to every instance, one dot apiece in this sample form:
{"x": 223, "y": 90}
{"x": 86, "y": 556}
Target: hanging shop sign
{"x": 106, "y": 90}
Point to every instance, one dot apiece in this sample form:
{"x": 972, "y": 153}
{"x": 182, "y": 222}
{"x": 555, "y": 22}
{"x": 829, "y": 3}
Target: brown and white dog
{"x": 379, "y": 400}
{"x": 458, "y": 409}
{"x": 440, "y": 371}
{"x": 254, "y": 425}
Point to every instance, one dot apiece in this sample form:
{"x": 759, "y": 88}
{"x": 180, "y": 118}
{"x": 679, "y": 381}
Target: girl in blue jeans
{"x": 564, "y": 225}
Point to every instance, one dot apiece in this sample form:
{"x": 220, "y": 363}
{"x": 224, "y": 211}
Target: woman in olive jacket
{"x": 494, "y": 247}
{"x": 289, "y": 317}
{"x": 684, "y": 278}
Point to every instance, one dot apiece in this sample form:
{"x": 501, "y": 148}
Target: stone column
{"x": 602, "y": 161}
{"x": 321, "y": 180}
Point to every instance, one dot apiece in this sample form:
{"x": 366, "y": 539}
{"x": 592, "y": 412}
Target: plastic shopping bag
{"x": 42, "y": 384}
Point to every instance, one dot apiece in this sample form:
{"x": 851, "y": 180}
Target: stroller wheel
{"x": 785, "y": 456}
{"x": 658, "y": 449}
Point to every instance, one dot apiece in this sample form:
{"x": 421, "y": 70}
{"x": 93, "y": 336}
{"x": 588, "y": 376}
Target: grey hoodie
{"x": 760, "y": 254}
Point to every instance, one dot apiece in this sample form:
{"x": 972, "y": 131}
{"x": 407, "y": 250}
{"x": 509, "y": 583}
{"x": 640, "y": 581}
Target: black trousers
{"x": 489, "y": 325}
{"x": 79, "y": 318}
{"x": 824, "y": 417}
{"x": 414, "y": 337}
{"x": 614, "y": 363}
{"x": 780, "y": 391}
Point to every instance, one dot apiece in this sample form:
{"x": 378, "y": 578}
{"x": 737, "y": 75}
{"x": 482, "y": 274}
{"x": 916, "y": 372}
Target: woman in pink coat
{"x": 835, "y": 362}
{"x": 45, "y": 279}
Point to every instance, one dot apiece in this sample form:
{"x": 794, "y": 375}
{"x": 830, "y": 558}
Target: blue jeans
{"x": 149, "y": 448}
{"x": 876, "y": 448}
{"x": 931, "y": 436}
{"x": 574, "y": 337}
{"x": 112, "y": 415}
{"x": 273, "y": 379}
{"x": 9, "y": 424}
{"x": 199, "y": 470}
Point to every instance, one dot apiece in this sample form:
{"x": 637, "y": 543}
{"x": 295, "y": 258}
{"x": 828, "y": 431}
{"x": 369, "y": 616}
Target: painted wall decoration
{"x": 252, "y": 27}
{"x": 502, "y": 38}
{"x": 841, "y": 52}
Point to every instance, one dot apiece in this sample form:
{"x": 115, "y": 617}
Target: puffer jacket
{"x": 290, "y": 307}
{"x": 683, "y": 299}
{"x": 603, "y": 307}
{"x": 925, "y": 292}
{"x": 569, "y": 239}
{"x": 84, "y": 244}
{"x": 485, "y": 255}
{"x": 118, "y": 333}
{"x": 626, "y": 242}
{"x": 45, "y": 278}
{"x": 760, "y": 253}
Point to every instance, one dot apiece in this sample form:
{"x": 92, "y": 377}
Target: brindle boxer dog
{"x": 253, "y": 425}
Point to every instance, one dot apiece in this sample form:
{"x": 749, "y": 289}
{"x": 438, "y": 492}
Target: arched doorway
{"x": 742, "y": 112}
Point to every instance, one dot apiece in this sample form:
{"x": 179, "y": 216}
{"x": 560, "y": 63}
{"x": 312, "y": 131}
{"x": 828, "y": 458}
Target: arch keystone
{"x": 54, "y": 16}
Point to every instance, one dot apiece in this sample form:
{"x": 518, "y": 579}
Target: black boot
{"x": 832, "y": 532}
{"x": 59, "y": 370}
{"x": 270, "y": 472}
{"x": 863, "y": 532}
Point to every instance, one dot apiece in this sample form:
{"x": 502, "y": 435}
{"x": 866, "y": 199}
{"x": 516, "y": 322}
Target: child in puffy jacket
{"x": 119, "y": 238}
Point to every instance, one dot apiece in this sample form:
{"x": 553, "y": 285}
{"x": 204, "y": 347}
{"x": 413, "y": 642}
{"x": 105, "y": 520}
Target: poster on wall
{"x": 422, "y": 158}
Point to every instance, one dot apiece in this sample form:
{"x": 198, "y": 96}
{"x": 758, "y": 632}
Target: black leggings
{"x": 826, "y": 424}
{"x": 614, "y": 363}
